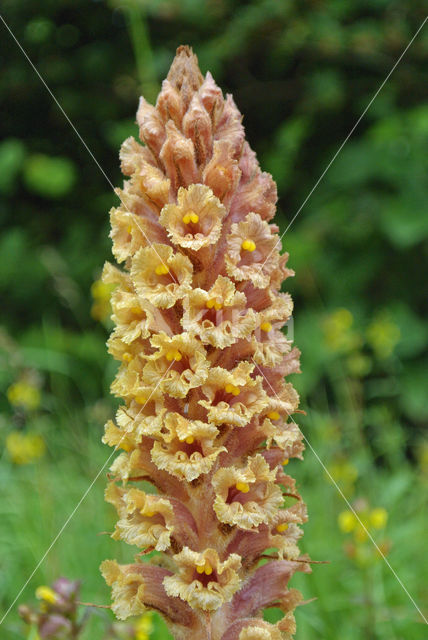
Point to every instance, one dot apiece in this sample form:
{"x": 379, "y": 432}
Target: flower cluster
{"x": 362, "y": 521}
{"x": 198, "y": 314}
{"x": 56, "y": 616}
{"x": 24, "y": 448}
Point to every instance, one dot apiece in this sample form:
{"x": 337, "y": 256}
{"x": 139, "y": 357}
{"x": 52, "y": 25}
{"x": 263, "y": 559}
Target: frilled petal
{"x": 247, "y": 496}
{"x": 185, "y": 447}
{"x": 160, "y": 275}
{"x": 233, "y": 396}
{"x": 178, "y": 364}
{"x": 145, "y": 520}
{"x": 252, "y": 251}
{"x": 138, "y": 587}
{"x": 203, "y": 580}
{"x": 195, "y": 221}
{"x": 218, "y": 316}
{"x": 130, "y": 232}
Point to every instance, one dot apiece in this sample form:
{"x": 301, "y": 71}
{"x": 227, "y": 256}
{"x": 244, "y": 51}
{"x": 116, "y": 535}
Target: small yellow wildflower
{"x": 383, "y": 335}
{"x": 345, "y": 474}
{"x": 25, "y": 395}
{"x": 358, "y": 364}
{"x": 47, "y": 594}
{"x": 101, "y": 293}
{"x": 144, "y": 626}
{"x": 338, "y": 333}
{"x": 24, "y": 448}
{"x": 378, "y": 517}
{"x": 347, "y": 521}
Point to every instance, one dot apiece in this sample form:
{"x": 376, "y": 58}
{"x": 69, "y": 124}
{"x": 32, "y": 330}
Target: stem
{"x": 140, "y": 40}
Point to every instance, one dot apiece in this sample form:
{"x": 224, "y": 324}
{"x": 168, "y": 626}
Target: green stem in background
{"x": 139, "y": 33}
{"x": 370, "y": 618}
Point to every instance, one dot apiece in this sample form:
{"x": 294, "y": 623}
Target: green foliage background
{"x": 302, "y": 74}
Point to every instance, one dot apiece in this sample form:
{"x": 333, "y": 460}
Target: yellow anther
{"x": 129, "y": 229}
{"x": 127, "y": 357}
{"x": 266, "y": 326}
{"x": 282, "y": 527}
{"x": 217, "y": 306}
{"x": 286, "y": 461}
{"x": 161, "y": 270}
{"x": 126, "y": 447}
{"x": 208, "y": 568}
{"x": 140, "y": 399}
{"x": 248, "y": 245}
{"x": 47, "y": 594}
{"x": 189, "y": 217}
{"x": 210, "y": 303}
{"x": 200, "y": 569}
{"x": 234, "y": 390}
{"x": 173, "y": 355}
{"x": 190, "y": 439}
{"x": 243, "y": 487}
{"x": 149, "y": 514}
{"x": 273, "y": 415}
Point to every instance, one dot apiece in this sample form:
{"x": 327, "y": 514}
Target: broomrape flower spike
{"x": 198, "y": 310}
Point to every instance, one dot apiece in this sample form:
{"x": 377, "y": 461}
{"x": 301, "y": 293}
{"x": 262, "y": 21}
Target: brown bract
{"x": 205, "y": 427}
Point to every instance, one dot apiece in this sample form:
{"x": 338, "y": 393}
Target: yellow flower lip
{"x": 285, "y": 461}
{"x": 190, "y": 440}
{"x": 190, "y": 217}
{"x": 282, "y": 527}
{"x": 174, "y": 355}
{"x": 162, "y": 270}
{"x": 266, "y": 327}
{"x": 233, "y": 389}
{"x": 127, "y": 357}
{"x": 140, "y": 399}
{"x": 273, "y": 415}
{"x": 149, "y": 514}
{"x": 243, "y": 487}
{"x": 129, "y": 229}
{"x": 248, "y": 245}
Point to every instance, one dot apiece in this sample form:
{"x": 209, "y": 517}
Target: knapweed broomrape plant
{"x": 205, "y": 420}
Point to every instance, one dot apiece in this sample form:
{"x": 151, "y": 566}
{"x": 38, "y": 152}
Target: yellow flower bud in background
{"x": 25, "y": 395}
{"x": 347, "y": 521}
{"x": 47, "y": 594}
{"x": 378, "y": 517}
{"x": 24, "y": 448}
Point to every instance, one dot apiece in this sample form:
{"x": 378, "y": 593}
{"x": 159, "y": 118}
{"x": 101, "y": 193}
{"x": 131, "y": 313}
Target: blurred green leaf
{"x": 49, "y": 176}
{"x": 12, "y": 153}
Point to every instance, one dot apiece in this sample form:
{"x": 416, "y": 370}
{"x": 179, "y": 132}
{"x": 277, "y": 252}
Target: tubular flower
{"x": 206, "y": 412}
